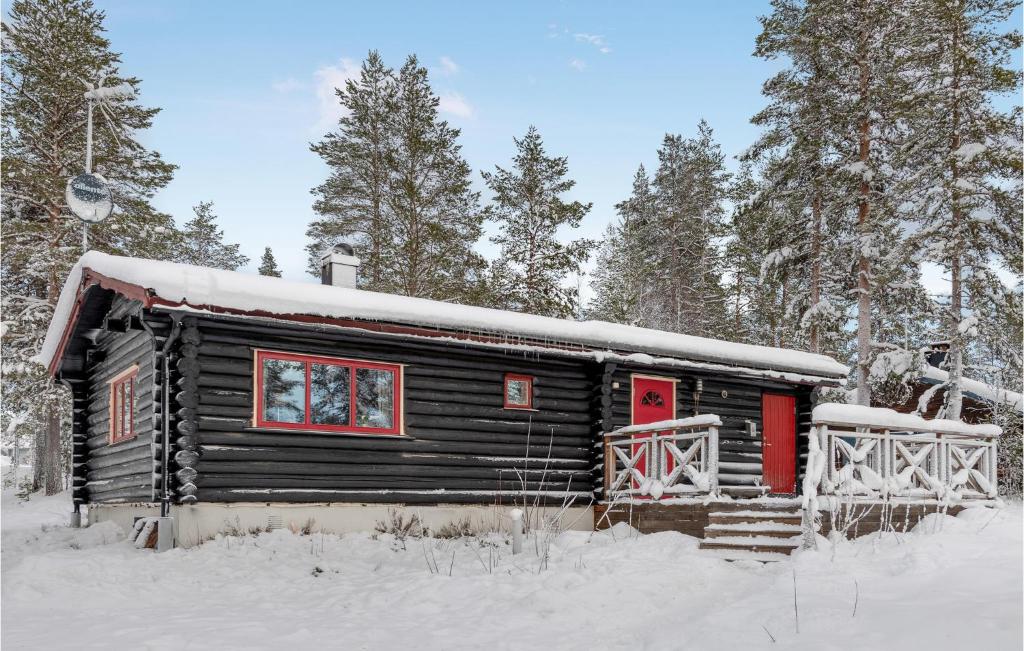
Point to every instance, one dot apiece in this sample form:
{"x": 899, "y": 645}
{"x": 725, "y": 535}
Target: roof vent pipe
{"x": 339, "y": 266}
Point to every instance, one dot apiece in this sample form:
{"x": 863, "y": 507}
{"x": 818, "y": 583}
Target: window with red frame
{"x": 327, "y": 394}
{"x": 518, "y": 391}
{"x": 122, "y": 405}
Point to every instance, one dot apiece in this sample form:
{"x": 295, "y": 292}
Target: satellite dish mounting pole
{"x": 88, "y": 169}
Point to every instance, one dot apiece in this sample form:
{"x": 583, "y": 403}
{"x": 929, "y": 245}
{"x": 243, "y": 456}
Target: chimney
{"x": 937, "y": 352}
{"x": 338, "y": 266}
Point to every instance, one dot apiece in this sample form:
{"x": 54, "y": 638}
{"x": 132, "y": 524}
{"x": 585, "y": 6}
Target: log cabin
{"x": 230, "y": 401}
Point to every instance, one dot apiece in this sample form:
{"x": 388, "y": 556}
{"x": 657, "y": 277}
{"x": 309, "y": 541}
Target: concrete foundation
{"x": 197, "y": 523}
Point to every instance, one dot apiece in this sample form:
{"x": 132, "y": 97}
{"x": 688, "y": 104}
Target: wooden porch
{"x": 864, "y": 473}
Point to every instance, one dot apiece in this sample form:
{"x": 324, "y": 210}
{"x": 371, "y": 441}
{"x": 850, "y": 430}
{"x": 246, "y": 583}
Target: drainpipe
{"x": 165, "y": 409}
{"x": 76, "y": 511}
{"x": 165, "y": 480}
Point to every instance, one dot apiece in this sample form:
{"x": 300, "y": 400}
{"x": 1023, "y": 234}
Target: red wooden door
{"x": 778, "y": 453}
{"x": 654, "y": 399}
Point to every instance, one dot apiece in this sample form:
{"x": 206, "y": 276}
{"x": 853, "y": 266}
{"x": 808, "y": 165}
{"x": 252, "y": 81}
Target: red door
{"x": 654, "y": 399}
{"x": 778, "y": 454}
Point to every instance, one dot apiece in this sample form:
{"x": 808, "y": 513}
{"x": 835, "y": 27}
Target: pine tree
{"x": 842, "y": 98}
{"x": 623, "y": 279}
{"x": 435, "y": 217}
{"x": 966, "y": 186}
{"x": 691, "y": 186}
{"x": 351, "y": 202}
{"x": 268, "y": 265}
{"x": 202, "y": 243}
{"x": 795, "y": 155}
{"x": 531, "y": 272}
{"x": 51, "y": 48}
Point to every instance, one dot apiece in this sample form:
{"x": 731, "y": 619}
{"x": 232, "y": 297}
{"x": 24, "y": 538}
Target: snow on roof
{"x": 878, "y": 417}
{"x": 203, "y": 288}
{"x": 982, "y": 390}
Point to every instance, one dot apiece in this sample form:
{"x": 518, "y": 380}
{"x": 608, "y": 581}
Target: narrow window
{"x": 518, "y": 391}
{"x": 327, "y": 394}
{"x": 122, "y": 405}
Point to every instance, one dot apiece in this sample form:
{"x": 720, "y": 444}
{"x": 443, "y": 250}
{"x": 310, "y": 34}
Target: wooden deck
{"x": 694, "y": 519}
{"x": 691, "y": 519}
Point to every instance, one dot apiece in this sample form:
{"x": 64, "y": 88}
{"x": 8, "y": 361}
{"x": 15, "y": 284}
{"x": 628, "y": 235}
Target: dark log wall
{"x": 122, "y": 472}
{"x": 739, "y": 452}
{"x": 462, "y": 445}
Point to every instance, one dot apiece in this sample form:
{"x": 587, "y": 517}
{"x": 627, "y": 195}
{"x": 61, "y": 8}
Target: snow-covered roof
{"x": 878, "y": 417}
{"x": 200, "y": 288}
{"x": 977, "y": 389}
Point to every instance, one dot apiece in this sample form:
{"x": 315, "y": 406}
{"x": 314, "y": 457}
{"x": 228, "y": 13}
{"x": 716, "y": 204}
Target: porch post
{"x": 713, "y": 460}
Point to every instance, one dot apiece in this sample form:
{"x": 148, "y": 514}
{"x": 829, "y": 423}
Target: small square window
{"x": 518, "y": 392}
{"x": 122, "y": 405}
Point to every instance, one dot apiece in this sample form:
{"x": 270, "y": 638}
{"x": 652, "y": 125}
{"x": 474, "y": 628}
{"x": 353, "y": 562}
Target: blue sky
{"x": 245, "y": 87}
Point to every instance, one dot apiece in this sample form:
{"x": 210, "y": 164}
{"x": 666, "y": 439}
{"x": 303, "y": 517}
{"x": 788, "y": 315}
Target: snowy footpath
{"x": 952, "y": 583}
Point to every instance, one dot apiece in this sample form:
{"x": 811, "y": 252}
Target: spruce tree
{"x": 531, "y": 273}
{"x": 268, "y": 265}
{"x": 966, "y": 186}
{"x": 691, "y": 186}
{"x": 52, "y": 47}
{"x": 351, "y": 202}
{"x": 623, "y": 282}
{"x": 202, "y": 243}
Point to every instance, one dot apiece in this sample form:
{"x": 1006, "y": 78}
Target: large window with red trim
{"x": 122, "y": 405}
{"x": 327, "y": 394}
{"x": 518, "y": 391}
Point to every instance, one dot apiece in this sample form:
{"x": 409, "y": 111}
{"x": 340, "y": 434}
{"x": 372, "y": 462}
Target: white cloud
{"x": 455, "y": 104}
{"x": 288, "y": 85}
{"x": 596, "y": 40}
{"x": 577, "y": 64}
{"x": 448, "y": 66}
{"x": 328, "y": 78}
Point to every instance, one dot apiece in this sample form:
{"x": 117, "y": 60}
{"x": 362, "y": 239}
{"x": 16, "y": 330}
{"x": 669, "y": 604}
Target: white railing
{"x": 859, "y": 454}
{"x": 661, "y": 460}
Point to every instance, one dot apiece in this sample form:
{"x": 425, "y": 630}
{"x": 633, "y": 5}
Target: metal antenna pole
{"x": 88, "y": 170}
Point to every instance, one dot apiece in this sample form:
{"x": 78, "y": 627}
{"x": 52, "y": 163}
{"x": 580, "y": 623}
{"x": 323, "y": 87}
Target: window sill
{"x": 521, "y": 409}
{"x": 291, "y": 430}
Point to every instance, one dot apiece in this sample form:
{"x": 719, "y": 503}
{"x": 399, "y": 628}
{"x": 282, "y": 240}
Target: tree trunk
{"x": 815, "y": 343}
{"x": 954, "y": 394}
{"x": 864, "y": 230}
{"x": 38, "y": 456}
{"x": 52, "y": 467}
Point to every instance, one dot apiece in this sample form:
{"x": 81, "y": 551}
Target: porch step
{"x": 755, "y": 517}
{"x": 752, "y": 529}
{"x": 744, "y": 491}
{"x": 783, "y": 546}
{"x": 746, "y": 555}
{"x": 744, "y": 531}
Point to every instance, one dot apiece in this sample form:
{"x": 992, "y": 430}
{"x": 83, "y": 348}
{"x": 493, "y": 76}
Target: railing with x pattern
{"x": 872, "y": 454}
{"x": 660, "y": 460}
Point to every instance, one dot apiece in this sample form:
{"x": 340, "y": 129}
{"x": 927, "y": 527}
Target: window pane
{"x": 375, "y": 398}
{"x": 284, "y": 391}
{"x": 516, "y": 392}
{"x": 329, "y": 394}
{"x": 126, "y": 407}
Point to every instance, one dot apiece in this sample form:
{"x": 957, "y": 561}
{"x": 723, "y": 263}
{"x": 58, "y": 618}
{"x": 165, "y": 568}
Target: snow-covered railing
{"x": 865, "y": 453}
{"x": 665, "y": 459}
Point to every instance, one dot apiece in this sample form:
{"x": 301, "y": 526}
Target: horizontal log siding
{"x": 122, "y": 472}
{"x": 739, "y": 453}
{"x": 461, "y": 445}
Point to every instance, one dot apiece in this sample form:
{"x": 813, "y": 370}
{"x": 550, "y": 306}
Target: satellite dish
{"x": 89, "y": 198}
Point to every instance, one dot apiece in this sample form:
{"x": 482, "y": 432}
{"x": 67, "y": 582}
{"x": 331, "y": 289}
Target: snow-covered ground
{"x": 953, "y": 583}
